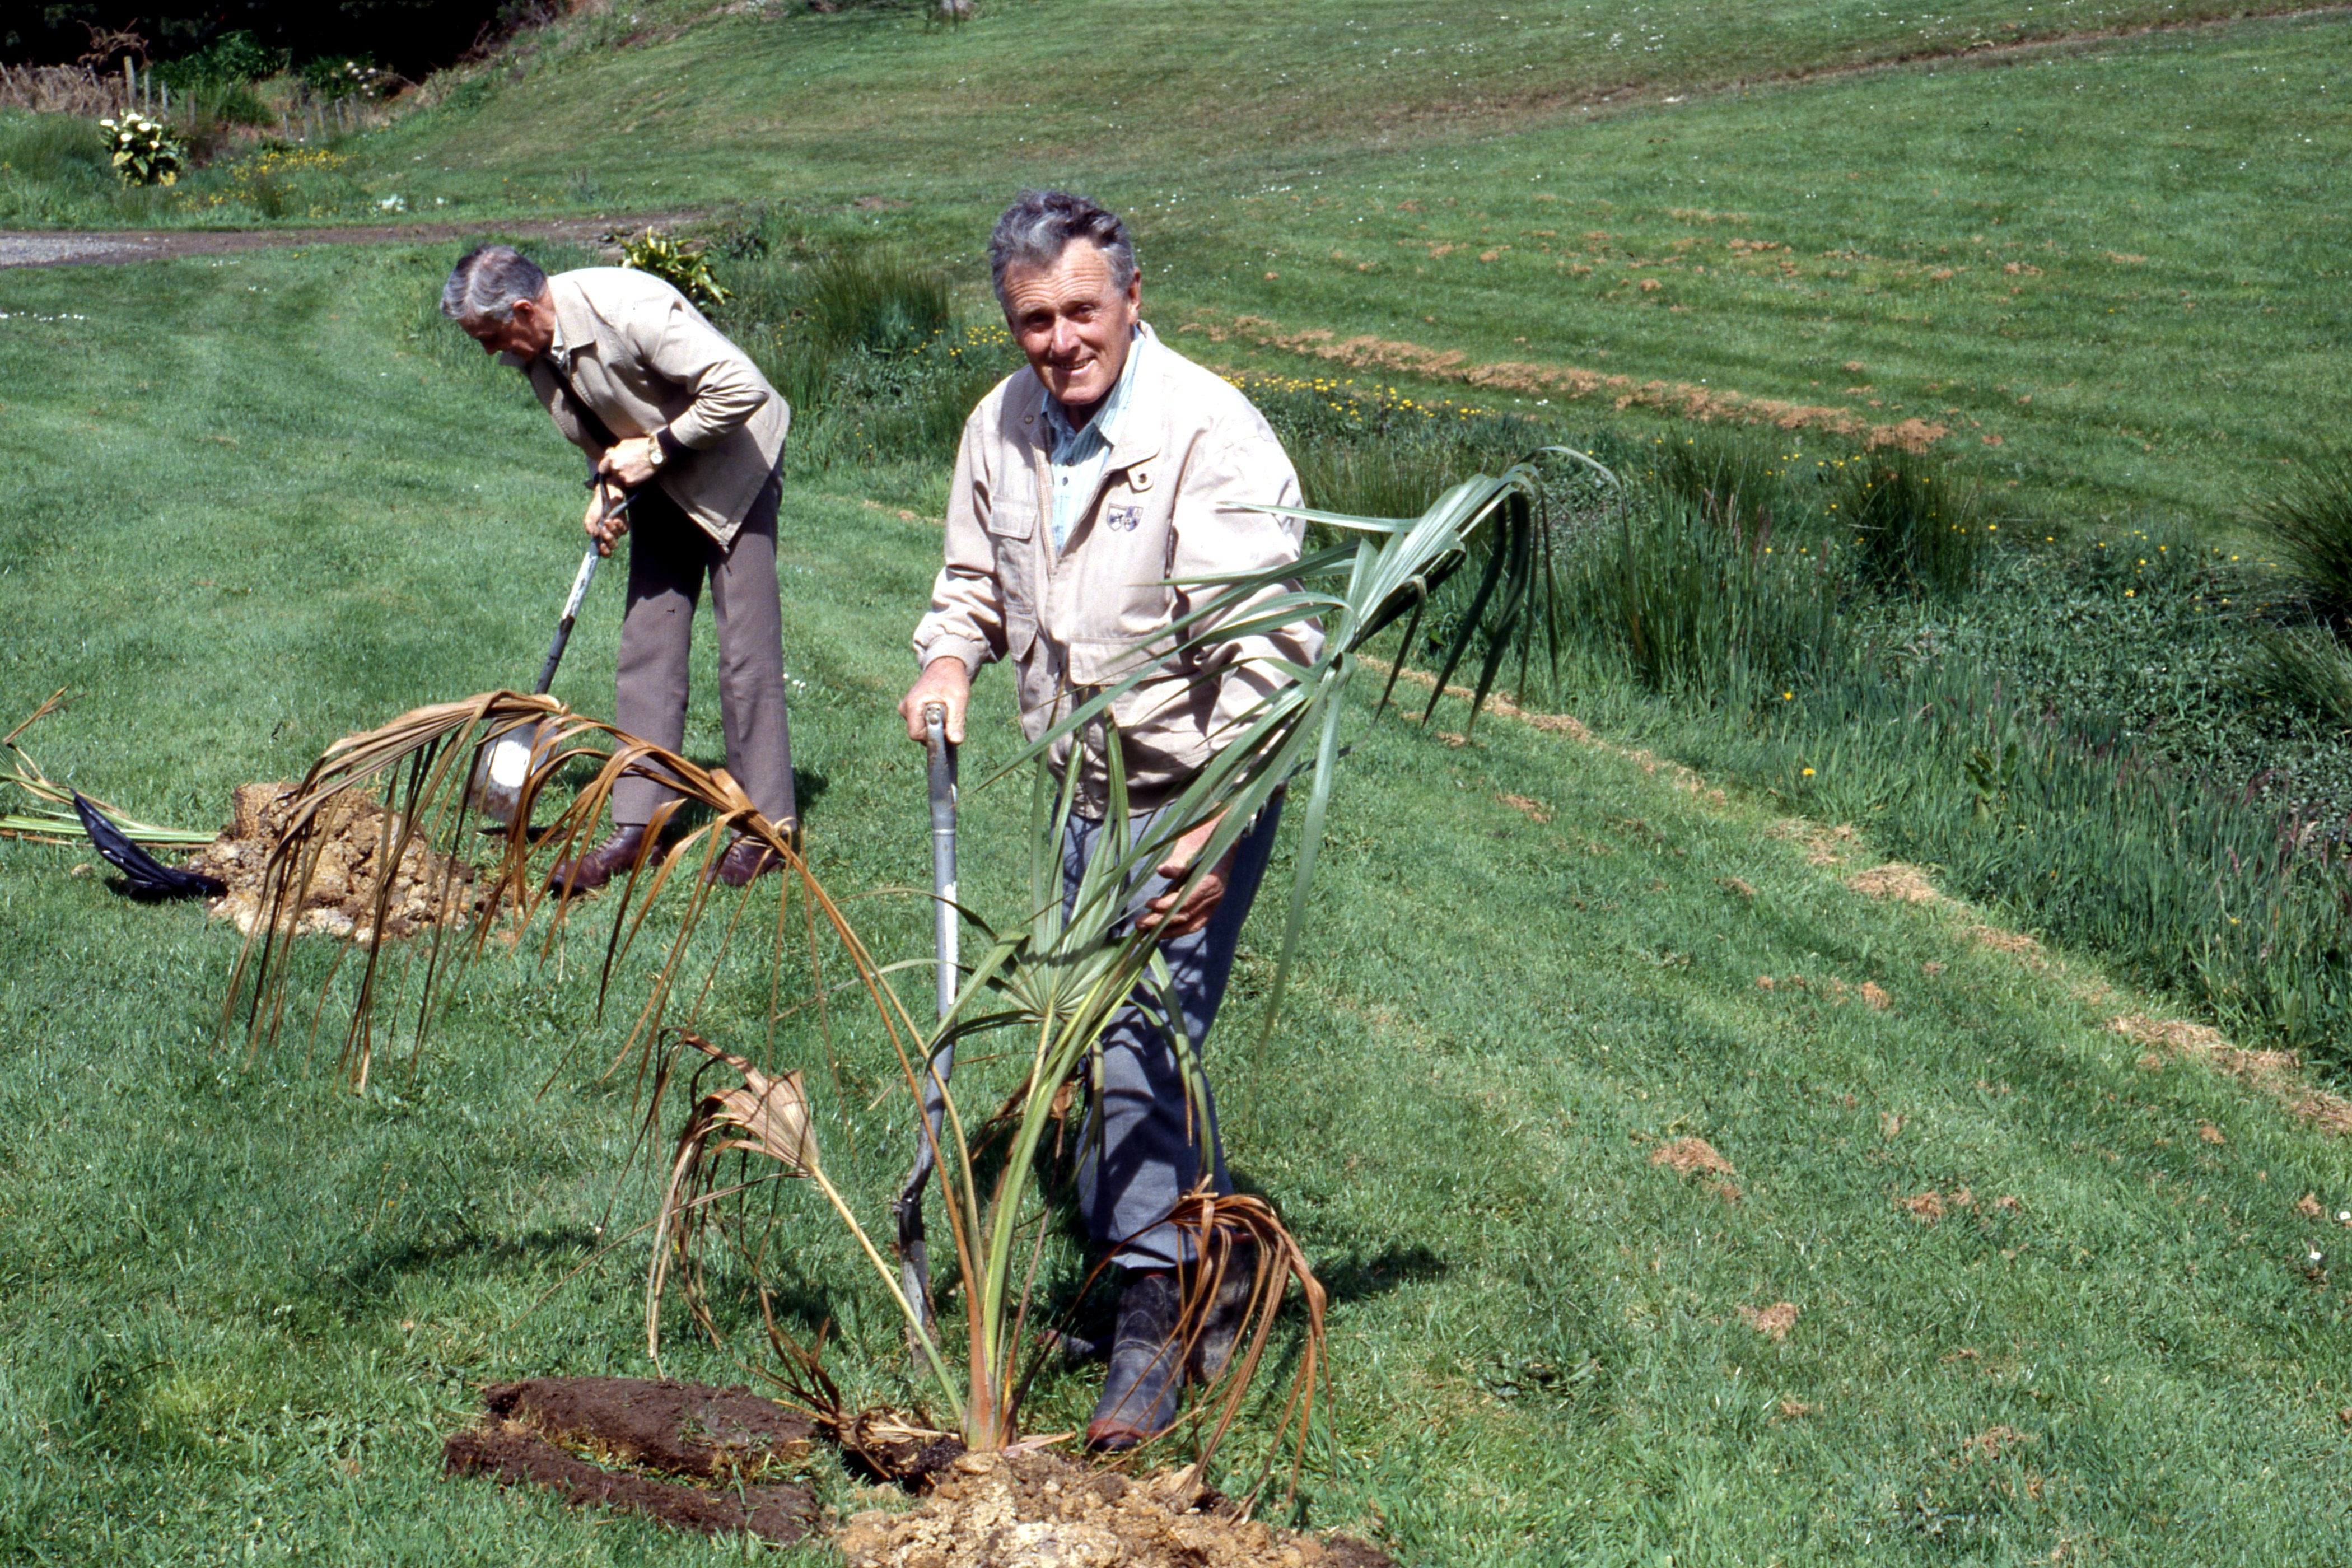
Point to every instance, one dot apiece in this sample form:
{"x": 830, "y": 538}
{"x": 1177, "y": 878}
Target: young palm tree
{"x": 1057, "y": 978}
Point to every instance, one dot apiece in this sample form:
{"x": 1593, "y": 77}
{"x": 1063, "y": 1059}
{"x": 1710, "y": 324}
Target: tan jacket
{"x": 641, "y": 357}
{"x": 1191, "y": 454}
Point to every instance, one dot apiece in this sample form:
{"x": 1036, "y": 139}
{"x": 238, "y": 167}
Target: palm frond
{"x": 1360, "y": 591}
{"x": 51, "y": 819}
{"x": 422, "y": 762}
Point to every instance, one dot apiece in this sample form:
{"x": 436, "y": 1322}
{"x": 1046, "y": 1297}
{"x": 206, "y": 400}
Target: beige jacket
{"x": 1191, "y": 454}
{"x": 641, "y": 358}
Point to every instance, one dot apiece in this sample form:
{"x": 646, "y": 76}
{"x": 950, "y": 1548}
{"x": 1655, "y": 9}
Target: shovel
{"x": 914, "y": 1260}
{"x": 499, "y": 776}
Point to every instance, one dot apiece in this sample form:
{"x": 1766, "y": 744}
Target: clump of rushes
{"x": 2299, "y": 659}
{"x": 1732, "y": 480}
{"x": 1699, "y": 602}
{"x": 2309, "y": 524}
{"x": 1913, "y": 528}
{"x": 145, "y": 153}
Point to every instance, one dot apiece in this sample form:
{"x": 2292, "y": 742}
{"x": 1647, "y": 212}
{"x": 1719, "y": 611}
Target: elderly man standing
{"x": 667, "y": 409}
{"x": 1086, "y": 486}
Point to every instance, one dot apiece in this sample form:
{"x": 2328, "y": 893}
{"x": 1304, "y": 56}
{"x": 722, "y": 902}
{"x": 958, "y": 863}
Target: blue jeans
{"x": 1142, "y": 1149}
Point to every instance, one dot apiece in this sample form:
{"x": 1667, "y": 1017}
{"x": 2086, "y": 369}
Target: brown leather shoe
{"x": 604, "y": 862}
{"x": 748, "y": 857}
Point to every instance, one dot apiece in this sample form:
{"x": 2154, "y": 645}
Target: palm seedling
{"x": 1055, "y": 978}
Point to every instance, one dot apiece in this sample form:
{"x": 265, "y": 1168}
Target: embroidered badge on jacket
{"x": 1124, "y": 518}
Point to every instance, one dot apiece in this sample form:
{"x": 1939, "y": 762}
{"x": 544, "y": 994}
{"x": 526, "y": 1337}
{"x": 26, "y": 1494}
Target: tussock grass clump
{"x": 2302, "y": 668}
{"x": 2308, "y": 521}
{"x": 875, "y": 301}
{"x": 1916, "y": 528}
{"x": 1695, "y": 607}
{"x": 865, "y": 344}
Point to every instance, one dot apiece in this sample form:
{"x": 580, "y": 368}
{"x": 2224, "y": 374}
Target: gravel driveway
{"x": 60, "y": 248}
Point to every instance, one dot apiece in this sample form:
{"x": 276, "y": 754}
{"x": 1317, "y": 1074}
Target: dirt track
{"x": 57, "y": 249}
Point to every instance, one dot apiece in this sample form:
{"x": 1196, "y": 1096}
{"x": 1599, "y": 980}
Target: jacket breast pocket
{"x": 1012, "y": 517}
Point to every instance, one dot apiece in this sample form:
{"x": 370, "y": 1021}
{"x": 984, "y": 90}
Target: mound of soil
{"x": 536, "y": 1433}
{"x": 342, "y": 897}
{"x": 1042, "y": 1511}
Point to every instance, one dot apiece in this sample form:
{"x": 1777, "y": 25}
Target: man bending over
{"x": 667, "y": 408}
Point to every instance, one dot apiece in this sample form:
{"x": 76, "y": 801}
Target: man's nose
{"x": 1066, "y": 338}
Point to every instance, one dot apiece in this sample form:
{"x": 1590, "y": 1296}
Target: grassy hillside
{"x": 2106, "y": 271}
{"x": 254, "y": 510}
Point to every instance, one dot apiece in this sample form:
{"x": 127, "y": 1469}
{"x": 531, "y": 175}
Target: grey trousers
{"x": 669, "y": 559}
{"x": 1142, "y": 1148}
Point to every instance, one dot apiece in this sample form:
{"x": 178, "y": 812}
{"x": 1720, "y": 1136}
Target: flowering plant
{"x": 145, "y": 153}
{"x": 682, "y": 265}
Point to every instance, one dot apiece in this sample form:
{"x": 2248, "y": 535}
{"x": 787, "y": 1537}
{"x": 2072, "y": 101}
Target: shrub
{"x": 232, "y": 59}
{"x": 144, "y": 153}
{"x": 330, "y": 78}
{"x": 682, "y": 265}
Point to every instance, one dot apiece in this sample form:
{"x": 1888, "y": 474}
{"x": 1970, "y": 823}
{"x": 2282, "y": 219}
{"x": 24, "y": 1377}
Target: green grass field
{"x": 2105, "y": 266}
{"x": 2107, "y": 269}
{"x": 260, "y": 501}
{"x": 254, "y": 513}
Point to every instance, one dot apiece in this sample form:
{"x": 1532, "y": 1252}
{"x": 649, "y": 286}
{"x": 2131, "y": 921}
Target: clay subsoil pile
{"x": 342, "y": 897}
{"x": 685, "y": 1454}
{"x": 1042, "y": 1511}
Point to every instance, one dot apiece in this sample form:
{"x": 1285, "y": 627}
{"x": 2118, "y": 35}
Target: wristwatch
{"x": 657, "y": 450}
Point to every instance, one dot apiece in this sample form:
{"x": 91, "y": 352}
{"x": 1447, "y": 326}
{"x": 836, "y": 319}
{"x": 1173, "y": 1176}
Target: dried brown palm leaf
{"x": 761, "y": 1116}
{"x": 1224, "y": 1230}
{"x": 422, "y": 762}
{"x": 767, "y": 1123}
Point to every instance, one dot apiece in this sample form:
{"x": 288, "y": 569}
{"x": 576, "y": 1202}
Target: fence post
{"x": 130, "y": 86}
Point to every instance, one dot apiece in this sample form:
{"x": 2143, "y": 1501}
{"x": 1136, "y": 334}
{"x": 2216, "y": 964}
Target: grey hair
{"x": 1040, "y": 225}
{"x": 486, "y": 283}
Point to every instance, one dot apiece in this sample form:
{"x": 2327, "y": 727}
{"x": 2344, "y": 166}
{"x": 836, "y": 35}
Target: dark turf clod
{"x": 536, "y": 1430}
{"x": 513, "y": 1454}
{"x": 678, "y": 1428}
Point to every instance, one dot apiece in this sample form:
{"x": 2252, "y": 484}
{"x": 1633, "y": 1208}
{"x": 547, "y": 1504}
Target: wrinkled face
{"x": 527, "y": 332}
{"x": 1074, "y": 324}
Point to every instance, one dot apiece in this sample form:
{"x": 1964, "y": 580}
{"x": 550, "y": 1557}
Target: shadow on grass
{"x": 367, "y": 1280}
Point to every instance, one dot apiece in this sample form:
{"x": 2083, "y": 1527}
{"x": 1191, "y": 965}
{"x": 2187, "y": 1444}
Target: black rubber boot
{"x": 1213, "y": 1348}
{"x": 1147, "y": 1367}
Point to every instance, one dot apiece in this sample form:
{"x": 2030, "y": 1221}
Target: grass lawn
{"x": 252, "y": 511}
